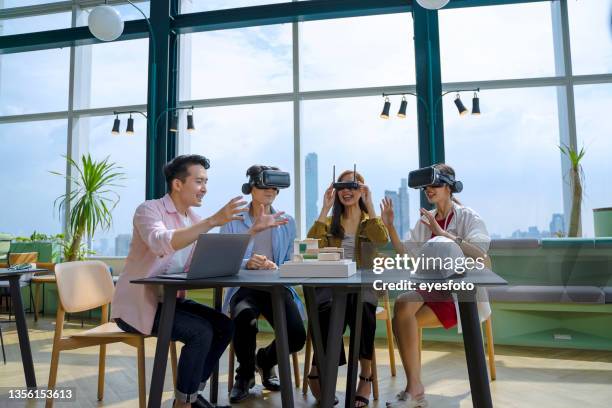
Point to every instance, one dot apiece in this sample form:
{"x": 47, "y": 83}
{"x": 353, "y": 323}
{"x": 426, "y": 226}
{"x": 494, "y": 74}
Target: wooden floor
{"x": 526, "y": 377}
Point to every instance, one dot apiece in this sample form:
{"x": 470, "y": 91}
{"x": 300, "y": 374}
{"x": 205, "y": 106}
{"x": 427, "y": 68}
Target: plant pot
{"x": 602, "y": 218}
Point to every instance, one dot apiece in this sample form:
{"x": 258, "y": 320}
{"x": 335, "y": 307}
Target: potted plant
{"x": 576, "y": 176}
{"x": 90, "y": 202}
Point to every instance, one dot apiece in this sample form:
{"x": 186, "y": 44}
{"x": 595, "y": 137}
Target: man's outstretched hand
{"x": 264, "y": 221}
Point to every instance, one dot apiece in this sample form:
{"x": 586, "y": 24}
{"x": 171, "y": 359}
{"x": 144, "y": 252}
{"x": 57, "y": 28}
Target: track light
{"x": 475, "y": 104}
{"x": 190, "y": 125}
{"x": 402, "y": 110}
{"x": 130, "y": 126}
{"x": 460, "y": 106}
{"x": 116, "y": 125}
{"x": 386, "y": 108}
{"x": 174, "y": 123}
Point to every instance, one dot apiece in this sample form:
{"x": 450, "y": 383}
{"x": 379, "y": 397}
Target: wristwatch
{"x": 458, "y": 240}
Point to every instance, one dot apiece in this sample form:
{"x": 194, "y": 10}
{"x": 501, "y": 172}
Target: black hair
{"x": 335, "y": 227}
{"x": 255, "y": 169}
{"x": 178, "y": 168}
{"x": 449, "y": 171}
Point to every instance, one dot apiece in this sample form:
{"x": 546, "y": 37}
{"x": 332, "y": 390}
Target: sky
{"x": 507, "y": 158}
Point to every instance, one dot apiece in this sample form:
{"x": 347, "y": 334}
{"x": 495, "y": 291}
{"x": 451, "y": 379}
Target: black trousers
{"x": 368, "y": 327}
{"x": 246, "y": 306}
{"x": 205, "y": 333}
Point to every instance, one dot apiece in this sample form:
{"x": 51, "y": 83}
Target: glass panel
{"x": 593, "y": 122}
{"x": 246, "y": 61}
{"x": 357, "y": 52}
{"x": 128, "y": 152}
{"x": 192, "y": 6}
{"x": 508, "y": 159}
{"x": 263, "y": 134}
{"x": 127, "y": 11}
{"x": 590, "y": 36}
{"x": 496, "y": 42}
{"x": 30, "y": 151}
{"x": 33, "y": 82}
{"x": 35, "y": 23}
{"x": 119, "y": 72}
{"x": 348, "y": 131}
{"x": 23, "y": 3}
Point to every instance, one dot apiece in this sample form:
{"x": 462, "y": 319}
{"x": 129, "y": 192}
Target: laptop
{"x": 215, "y": 255}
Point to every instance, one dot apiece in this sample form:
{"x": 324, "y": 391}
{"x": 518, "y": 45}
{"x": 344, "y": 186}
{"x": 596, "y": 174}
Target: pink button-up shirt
{"x": 150, "y": 255}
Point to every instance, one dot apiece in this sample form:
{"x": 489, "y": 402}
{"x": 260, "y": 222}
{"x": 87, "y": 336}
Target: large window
{"x": 496, "y": 42}
{"x": 116, "y": 75}
{"x": 128, "y": 152}
{"x": 35, "y": 23}
{"x": 246, "y": 61}
{"x": 348, "y": 131}
{"x": 591, "y": 36}
{"x": 334, "y": 54}
{"x": 593, "y": 107}
{"x": 30, "y": 151}
{"x": 508, "y": 159}
{"x": 236, "y": 137}
{"x": 26, "y": 88}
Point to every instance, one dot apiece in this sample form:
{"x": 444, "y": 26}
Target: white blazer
{"x": 467, "y": 224}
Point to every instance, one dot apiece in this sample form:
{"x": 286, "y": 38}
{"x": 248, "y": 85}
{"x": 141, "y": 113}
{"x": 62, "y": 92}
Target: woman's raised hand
{"x": 386, "y": 211}
{"x": 328, "y": 198}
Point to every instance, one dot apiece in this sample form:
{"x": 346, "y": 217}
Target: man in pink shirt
{"x": 164, "y": 234}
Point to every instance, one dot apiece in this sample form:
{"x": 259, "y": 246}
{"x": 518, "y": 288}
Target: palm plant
{"x": 576, "y": 177}
{"x": 90, "y": 201}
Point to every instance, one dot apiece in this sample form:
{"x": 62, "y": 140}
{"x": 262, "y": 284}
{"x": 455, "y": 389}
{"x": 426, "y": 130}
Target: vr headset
{"x": 431, "y": 176}
{"x": 350, "y": 185}
{"x": 267, "y": 178}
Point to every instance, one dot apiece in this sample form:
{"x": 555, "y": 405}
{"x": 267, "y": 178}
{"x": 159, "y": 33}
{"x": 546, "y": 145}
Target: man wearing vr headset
{"x": 449, "y": 227}
{"x": 267, "y": 250}
{"x": 165, "y": 231}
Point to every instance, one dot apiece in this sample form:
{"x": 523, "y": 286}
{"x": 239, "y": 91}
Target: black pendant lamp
{"x": 386, "y": 108}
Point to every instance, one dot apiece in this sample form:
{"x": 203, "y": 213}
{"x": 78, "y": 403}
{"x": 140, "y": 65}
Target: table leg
{"x": 474, "y": 355}
{"x": 315, "y": 329}
{"x": 351, "y": 380}
{"x": 214, "y": 380}
{"x": 22, "y": 332}
{"x": 282, "y": 345}
{"x": 334, "y": 343}
{"x": 166, "y": 320}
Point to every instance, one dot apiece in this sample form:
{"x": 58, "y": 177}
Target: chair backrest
{"x": 83, "y": 285}
{"x": 22, "y": 257}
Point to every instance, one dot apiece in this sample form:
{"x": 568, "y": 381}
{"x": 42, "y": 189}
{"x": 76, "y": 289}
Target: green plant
{"x": 576, "y": 178}
{"x": 90, "y": 201}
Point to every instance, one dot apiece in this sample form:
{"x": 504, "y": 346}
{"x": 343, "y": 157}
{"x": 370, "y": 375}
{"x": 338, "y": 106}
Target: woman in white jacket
{"x": 460, "y": 226}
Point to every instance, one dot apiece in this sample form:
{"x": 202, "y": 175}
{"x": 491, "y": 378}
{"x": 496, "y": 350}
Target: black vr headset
{"x": 266, "y": 177}
{"x": 431, "y": 176}
{"x": 350, "y": 185}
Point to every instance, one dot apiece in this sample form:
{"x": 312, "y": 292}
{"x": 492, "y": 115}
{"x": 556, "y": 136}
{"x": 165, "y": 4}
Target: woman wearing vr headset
{"x": 267, "y": 250}
{"x": 450, "y": 224}
{"x": 353, "y": 226}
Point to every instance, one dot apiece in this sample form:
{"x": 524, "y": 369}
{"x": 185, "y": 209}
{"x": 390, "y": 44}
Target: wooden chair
{"x": 15, "y": 258}
{"x": 82, "y": 286}
{"x": 382, "y": 313}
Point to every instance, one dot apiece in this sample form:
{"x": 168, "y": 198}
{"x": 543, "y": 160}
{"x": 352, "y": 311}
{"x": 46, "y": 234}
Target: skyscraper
{"x": 557, "y": 225}
{"x": 401, "y": 207}
{"x": 404, "y": 208}
{"x": 312, "y": 188}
